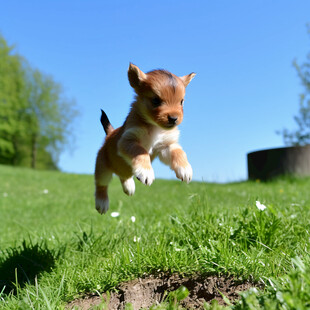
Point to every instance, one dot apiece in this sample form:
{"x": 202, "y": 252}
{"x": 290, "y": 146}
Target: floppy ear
{"x": 135, "y": 75}
{"x": 187, "y": 78}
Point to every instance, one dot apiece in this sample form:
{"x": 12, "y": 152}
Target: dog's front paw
{"x": 184, "y": 173}
{"x": 145, "y": 175}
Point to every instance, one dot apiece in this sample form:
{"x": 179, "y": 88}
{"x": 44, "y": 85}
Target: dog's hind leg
{"x": 128, "y": 186}
{"x": 102, "y": 199}
{"x": 103, "y": 177}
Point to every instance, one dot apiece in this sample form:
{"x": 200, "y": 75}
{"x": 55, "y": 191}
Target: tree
{"x": 49, "y": 116}
{"x": 301, "y": 136}
{"x": 35, "y": 115}
{"x": 12, "y": 103}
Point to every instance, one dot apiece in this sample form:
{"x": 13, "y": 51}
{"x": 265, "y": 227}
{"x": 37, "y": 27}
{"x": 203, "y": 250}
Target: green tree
{"x": 35, "y": 115}
{"x": 12, "y": 103}
{"x": 301, "y": 136}
{"x": 48, "y": 116}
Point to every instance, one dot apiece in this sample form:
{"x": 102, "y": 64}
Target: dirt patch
{"x": 145, "y": 292}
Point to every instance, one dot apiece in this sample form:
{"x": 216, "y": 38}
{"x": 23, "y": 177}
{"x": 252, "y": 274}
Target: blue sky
{"x": 245, "y": 89}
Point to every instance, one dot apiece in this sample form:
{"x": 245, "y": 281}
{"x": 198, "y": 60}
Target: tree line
{"x": 35, "y": 115}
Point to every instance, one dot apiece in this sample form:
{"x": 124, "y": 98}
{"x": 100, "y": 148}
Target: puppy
{"x": 150, "y": 130}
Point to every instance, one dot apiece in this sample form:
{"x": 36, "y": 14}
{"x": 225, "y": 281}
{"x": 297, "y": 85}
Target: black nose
{"x": 172, "y": 119}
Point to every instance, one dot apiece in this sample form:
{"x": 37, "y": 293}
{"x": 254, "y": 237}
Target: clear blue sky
{"x": 242, "y": 51}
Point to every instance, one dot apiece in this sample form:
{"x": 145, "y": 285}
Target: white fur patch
{"x": 152, "y": 141}
{"x": 146, "y": 176}
{"x": 184, "y": 173}
{"x": 129, "y": 186}
{"x": 102, "y": 205}
{"x": 163, "y": 138}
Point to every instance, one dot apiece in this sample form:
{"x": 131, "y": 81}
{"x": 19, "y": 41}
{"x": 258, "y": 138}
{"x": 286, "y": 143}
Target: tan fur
{"x": 178, "y": 158}
{"x": 150, "y": 130}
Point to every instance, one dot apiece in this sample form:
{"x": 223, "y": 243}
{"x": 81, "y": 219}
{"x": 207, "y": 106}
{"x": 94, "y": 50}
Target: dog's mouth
{"x": 170, "y": 126}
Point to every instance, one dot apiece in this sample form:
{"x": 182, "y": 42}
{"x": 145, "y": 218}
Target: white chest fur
{"x": 152, "y": 139}
{"x": 160, "y": 138}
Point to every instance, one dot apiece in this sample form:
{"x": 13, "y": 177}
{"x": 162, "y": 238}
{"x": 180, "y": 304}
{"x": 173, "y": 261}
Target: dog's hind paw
{"x": 102, "y": 205}
{"x": 129, "y": 186}
{"x": 145, "y": 176}
{"x": 184, "y": 173}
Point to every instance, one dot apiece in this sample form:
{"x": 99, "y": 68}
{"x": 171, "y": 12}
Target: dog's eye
{"x": 182, "y": 101}
{"x": 156, "y": 101}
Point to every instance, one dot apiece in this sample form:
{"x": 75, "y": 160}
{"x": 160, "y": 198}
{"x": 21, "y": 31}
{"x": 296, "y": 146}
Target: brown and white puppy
{"x": 150, "y": 130}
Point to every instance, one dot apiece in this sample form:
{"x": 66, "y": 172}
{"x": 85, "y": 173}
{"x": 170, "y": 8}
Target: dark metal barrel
{"x": 270, "y": 163}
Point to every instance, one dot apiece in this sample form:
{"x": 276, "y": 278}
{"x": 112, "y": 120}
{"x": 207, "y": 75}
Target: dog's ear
{"x": 135, "y": 76}
{"x": 187, "y": 78}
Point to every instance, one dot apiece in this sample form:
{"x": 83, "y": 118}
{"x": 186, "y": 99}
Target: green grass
{"x": 201, "y": 227}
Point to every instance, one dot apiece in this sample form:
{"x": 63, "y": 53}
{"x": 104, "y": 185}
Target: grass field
{"x": 49, "y": 218}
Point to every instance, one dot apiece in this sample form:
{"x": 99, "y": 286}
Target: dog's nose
{"x": 172, "y": 119}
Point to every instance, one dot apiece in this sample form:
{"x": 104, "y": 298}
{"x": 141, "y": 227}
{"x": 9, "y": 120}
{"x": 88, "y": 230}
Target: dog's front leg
{"x": 176, "y": 158}
{"x": 139, "y": 159}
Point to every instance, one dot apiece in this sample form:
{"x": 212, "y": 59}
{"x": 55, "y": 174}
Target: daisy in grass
{"x": 136, "y": 239}
{"x": 260, "y": 206}
{"x": 115, "y": 214}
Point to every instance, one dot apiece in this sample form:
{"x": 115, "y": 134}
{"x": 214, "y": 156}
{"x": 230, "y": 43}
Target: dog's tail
{"x": 105, "y": 123}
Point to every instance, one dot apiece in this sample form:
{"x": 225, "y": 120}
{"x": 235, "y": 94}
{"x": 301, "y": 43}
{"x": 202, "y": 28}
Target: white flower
{"x": 45, "y": 191}
{"x": 260, "y": 206}
{"x": 133, "y": 219}
{"x": 136, "y": 239}
{"x": 115, "y": 214}
{"x": 5, "y": 194}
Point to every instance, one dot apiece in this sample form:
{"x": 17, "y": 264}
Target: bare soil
{"x": 151, "y": 290}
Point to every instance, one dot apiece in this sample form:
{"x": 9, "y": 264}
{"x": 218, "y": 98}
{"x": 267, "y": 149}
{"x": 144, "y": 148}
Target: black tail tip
{"x": 103, "y": 115}
{"x": 105, "y": 122}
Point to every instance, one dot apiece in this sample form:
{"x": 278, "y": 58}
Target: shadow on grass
{"x": 23, "y": 264}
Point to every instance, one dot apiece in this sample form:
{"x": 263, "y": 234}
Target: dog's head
{"x": 160, "y": 95}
